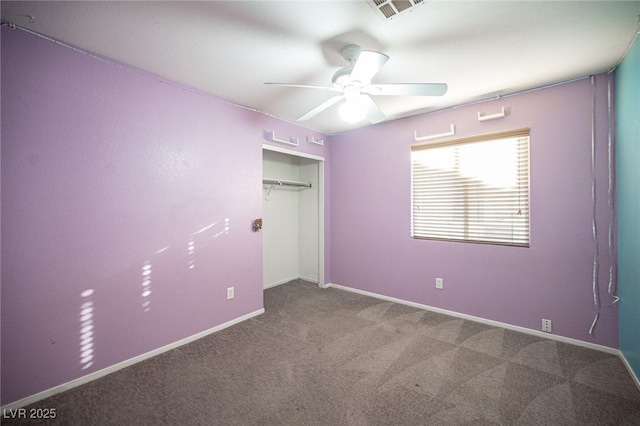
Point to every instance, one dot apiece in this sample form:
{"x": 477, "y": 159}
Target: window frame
{"x": 511, "y": 134}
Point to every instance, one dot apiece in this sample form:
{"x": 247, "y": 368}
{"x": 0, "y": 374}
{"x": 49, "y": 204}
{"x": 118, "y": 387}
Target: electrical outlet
{"x": 439, "y": 283}
{"x": 546, "y": 325}
{"x": 230, "y": 293}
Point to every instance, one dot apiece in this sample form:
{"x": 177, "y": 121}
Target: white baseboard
{"x": 119, "y": 366}
{"x": 280, "y": 282}
{"x": 111, "y": 369}
{"x": 568, "y": 340}
{"x": 633, "y": 373}
{"x": 310, "y": 279}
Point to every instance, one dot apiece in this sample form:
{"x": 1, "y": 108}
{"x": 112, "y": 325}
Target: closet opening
{"x": 293, "y": 216}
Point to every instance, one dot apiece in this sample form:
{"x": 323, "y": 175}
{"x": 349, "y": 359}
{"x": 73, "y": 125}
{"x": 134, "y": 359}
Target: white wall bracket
{"x": 271, "y": 137}
{"x": 451, "y": 132}
{"x": 315, "y": 141}
{"x": 485, "y": 117}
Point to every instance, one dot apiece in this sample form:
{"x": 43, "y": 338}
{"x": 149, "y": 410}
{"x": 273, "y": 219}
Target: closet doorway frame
{"x": 320, "y": 161}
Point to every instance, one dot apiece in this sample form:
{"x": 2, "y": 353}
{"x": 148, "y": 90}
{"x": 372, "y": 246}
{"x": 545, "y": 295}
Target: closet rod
{"x": 286, "y": 182}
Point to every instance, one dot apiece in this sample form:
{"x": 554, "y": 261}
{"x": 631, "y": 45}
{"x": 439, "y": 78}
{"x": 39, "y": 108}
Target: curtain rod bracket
{"x": 315, "y": 141}
{"x": 485, "y": 117}
{"x": 271, "y": 137}
{"x": 451, "y": 132}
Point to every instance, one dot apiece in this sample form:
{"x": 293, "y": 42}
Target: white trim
{"x": 321, "y": 204}
{"x": 309, "y": 279}
{"x": 119, "y": 366}
{"x": 292, "y": 152}
{"x": 631, "y": 372}
{"x": 563, "y": 339}
{"x": 279, "y": 282}
{"x": 321, "y": 177}
{"x": 288, "y": 280}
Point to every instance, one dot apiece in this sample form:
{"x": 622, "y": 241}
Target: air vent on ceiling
{"x": 392, "y": 8}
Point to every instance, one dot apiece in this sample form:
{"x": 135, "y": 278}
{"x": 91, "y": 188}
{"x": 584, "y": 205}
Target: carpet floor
{"x": 331, "y": 357}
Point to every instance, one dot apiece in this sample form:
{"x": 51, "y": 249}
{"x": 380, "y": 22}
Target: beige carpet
{"x": 332, "y": 357}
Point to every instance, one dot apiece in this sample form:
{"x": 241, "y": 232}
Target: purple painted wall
{"x": 371, "y": 245}
{"x": 135, "y": 190}
{"x": 117, "y": 182}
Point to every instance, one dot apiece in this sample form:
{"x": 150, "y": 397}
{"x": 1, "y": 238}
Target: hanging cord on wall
{"x": 594, "y": 230}
{"x": 611, "y": 199}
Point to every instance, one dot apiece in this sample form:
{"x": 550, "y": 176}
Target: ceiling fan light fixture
{"x": 353, "y": 109}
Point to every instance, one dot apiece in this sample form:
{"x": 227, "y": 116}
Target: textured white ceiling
{"x": 229, "y": 48}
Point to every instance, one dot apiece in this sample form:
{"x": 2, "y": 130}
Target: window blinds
{"x": 473, "y": 189}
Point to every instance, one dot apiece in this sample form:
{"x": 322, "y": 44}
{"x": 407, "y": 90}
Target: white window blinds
{"x": 472, "y": 190}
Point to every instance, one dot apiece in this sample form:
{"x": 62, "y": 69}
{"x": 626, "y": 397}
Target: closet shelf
{"x": 286, "y": 182}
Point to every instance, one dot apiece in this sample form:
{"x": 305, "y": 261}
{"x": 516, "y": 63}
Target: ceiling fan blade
{"x": 303, "y": 86}
{"x": 406, "y": 89}
{"x": 367, "y": 65}
{"x": 317, "y": 110}
{"x": 374, "y": 114}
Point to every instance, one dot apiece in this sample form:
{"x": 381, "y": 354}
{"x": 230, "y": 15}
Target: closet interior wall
{"x": 290, "y": 217}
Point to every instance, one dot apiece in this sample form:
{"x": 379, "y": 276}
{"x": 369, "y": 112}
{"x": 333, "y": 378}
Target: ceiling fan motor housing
{"x": 342, "y": 78}
{"x": 350, "y": 52}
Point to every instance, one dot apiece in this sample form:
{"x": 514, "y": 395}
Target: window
{"x": 472, "y": 190}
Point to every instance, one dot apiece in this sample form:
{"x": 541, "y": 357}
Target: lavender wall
{"x": 107, "y": 170}
{"x": 137, "y": 191}
{"x": 372, "y": 249}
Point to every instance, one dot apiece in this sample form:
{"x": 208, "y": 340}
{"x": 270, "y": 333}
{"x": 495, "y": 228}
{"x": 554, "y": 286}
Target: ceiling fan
{"x": 354, "y": 84}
